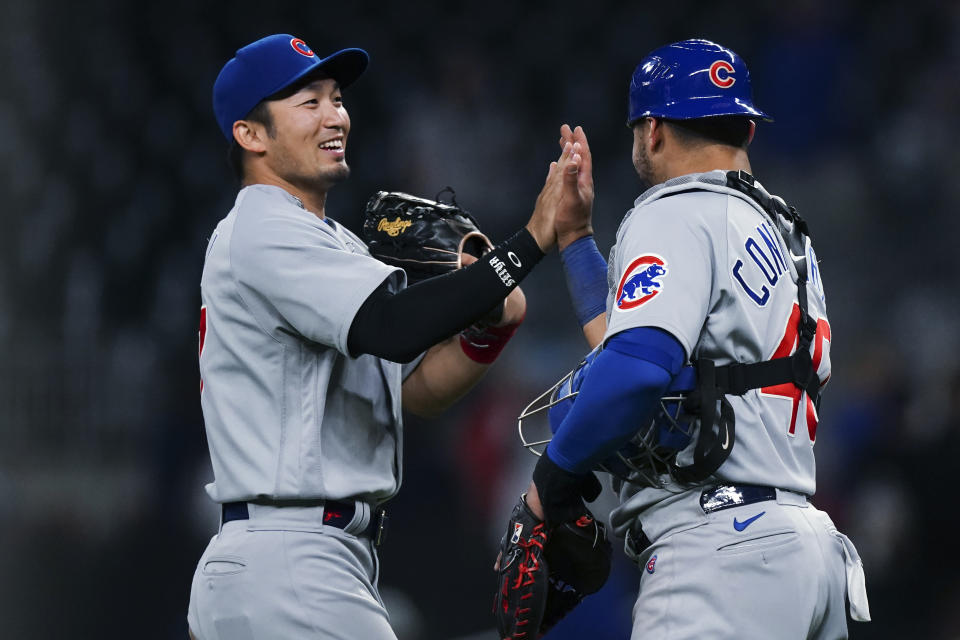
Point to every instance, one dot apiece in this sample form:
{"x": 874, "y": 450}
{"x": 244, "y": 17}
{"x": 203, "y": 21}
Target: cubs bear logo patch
{"x": 640, "y": 282}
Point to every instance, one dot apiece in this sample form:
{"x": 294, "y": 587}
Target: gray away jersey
{"x": 288, "y": 414}
{"x": 703, "y": 262}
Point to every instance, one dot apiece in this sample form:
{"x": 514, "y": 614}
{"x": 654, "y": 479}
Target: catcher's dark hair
{"x": 730, "y": 130}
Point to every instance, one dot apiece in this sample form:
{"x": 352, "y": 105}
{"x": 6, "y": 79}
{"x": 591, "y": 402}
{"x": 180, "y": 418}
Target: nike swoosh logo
{"x": 726, "y": 441}
{"x": 740, "y": 526}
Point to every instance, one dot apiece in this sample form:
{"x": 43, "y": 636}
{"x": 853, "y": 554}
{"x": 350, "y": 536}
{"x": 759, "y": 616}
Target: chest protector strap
{"x": 714, "y": 383}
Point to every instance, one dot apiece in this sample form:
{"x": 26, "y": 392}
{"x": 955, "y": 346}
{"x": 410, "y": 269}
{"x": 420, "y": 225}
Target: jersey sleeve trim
{"x": 407, "y": 369}
{"x": 355, "y": 301}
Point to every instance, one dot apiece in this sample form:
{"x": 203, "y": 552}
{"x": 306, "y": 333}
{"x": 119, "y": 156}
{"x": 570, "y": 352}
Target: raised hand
{"x": 561, "y": 184}
{"x": 574, "y": 217}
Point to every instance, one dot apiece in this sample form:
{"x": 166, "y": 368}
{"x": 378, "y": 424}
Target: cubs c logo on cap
{"x": 640, "y": 281}
{"x": 721, "y": 74}
{"x": 301, "y": 47}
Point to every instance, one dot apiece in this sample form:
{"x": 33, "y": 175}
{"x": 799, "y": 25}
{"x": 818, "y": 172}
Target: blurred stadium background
{"x": 113, "y": 174}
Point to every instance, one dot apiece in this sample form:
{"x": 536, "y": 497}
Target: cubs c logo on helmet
{"x": 721, "y": 74}
{"x": 640, "y": 281}
{"x": 301, "y": 47}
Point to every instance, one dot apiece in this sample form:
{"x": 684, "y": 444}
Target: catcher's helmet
{"x": 691, "y": 79}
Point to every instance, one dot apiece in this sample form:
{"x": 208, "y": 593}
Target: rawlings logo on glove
{"x": 395, "y": 228}
{"x": 423, "y": 237}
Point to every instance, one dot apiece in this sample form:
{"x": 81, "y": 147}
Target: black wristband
{"x": 562, "y": 492}
{"x": 514, "y": 258}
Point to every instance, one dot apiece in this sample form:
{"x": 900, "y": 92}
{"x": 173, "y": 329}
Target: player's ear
{"x": 753, "y": 130}
{"x": 655, "y": 137}
{"x": 250, "y": 135}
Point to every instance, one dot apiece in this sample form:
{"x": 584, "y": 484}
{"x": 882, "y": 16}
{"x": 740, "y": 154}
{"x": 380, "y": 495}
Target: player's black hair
{"x": 260, "y": 114}
{"x": 730, "y": 130}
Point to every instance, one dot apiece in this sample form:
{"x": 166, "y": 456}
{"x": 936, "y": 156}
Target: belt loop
{"x": 358, "y": 523}
{"x": 791, "y": 498}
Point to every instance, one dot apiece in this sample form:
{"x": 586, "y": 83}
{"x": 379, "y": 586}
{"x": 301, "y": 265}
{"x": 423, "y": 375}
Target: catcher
{"x": 309, "y": 346}
{"x": 712, "y": 349}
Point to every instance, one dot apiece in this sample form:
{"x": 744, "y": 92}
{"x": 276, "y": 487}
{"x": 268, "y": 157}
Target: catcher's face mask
{"x": 662, "y": 449}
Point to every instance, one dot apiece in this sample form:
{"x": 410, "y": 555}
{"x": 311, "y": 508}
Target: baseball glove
{"x": 578, "y": 555}
{"x": 423, "y": 237}
{"x": 543, "y": 574}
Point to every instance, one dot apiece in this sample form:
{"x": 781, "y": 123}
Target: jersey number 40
{"x": 821, "y": 350}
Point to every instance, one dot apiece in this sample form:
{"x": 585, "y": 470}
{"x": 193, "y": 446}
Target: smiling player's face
{"x": 308, "y": 148}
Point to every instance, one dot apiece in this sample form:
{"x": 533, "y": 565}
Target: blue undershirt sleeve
{"x": 586, "y": 274}
{"x": 620, "y": 392}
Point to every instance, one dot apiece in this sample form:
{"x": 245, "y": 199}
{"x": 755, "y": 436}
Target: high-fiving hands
{"x": 564, "y": 205}
{"x": 573, "y": 219}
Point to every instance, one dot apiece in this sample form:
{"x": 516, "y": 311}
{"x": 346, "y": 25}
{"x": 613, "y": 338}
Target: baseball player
{"x": 713, "y": 289}
{"x": 309, "y": 348}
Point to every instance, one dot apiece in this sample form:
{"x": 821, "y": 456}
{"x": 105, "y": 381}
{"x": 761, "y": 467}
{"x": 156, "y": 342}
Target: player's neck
{"x": 710, "y": 158}
{"x": 314, "y": 201}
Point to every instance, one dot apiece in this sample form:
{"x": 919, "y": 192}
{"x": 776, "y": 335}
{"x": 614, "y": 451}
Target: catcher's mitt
{"x": 578, "y": 555}
{"x": 543, "y": 574}
{"x": 423, "y": 237}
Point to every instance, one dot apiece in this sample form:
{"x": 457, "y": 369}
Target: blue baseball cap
{"x": 269, "y": 65}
